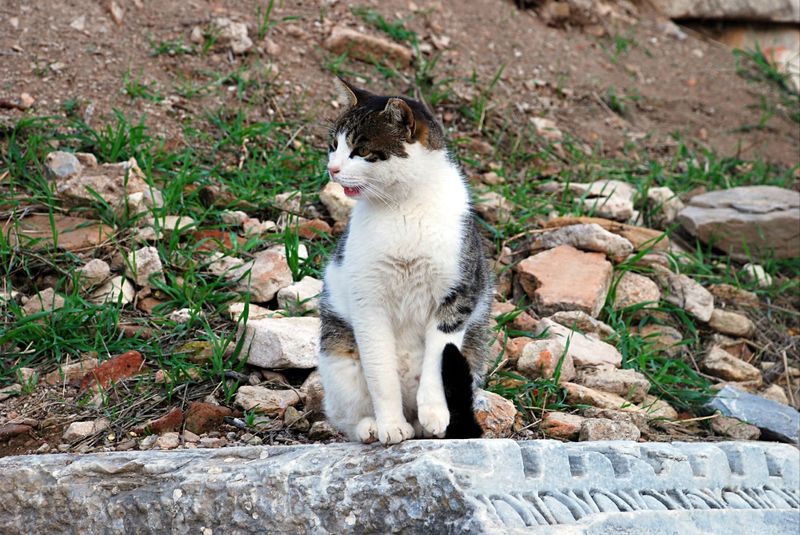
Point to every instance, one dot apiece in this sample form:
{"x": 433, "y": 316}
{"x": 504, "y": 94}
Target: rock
{"x": 143, "y": 264}
{"x": 338, "y": 204}
{"x": 638, "y": 419}
{"x": 269, "y": 272}
{"x": 301, "y": 296}
{"x": 514, "y": 348}
{"x": 12, "y": 430}
{"x": 493, "y": 207}
{"x": 663, "y": 338}
{"x": 612, "y": 199}
{"x": 122, "y": 366}
{"x": 584, "y": 350}
{"x": 70, "y": 373}
{"x": 664, "y": 205}
{"x": 540, "y": 358}
{"x": 578, "y": 320}
{"x": 494, "y": 413}
{"x": 232, "y": 34}
{"x": 583, "y": 395}
{"x": 180, "y": 316}
{"x": 202, "y": 417}
{"x": 586, "y": 237}
{"x": 61, "y": 165}
{"x": 722, "y": 364}
{"x": 234, "y": 217}
{"x": 756, "y": 273}
{"x": 603, "y": 429}
{"x": 171, "y": 421}
{"x": 71, "y": 233}
{"x": 432, "y": 486}
{"x": 634, "y": 289}
{"x": 111, "y": 182}
{"x": 282, "y": 342}
{"x": 9, "y": 391}
{"x": 47, "y": 300}
{"x": 314, "y": 394}
{"x": 93, "y": 273}
{"x": 736, "y": 296}
{"x": 684, "y": 292}
{"x": 266, "y": 400}
{"x": 367, "y": 47}
{"x": 321, "y": 430}
{"x": 561, "y": 425}
{"x": 81, "y": 430}
{"x": 294, "y": 419}
{"x": 547, "y": 128}
{"x": 734, "y": 428}
{"x": 776, "y": 420}
{"x": 117, "y": 290}
{"x": 775, "y": 393}
{"x": 168, "y": 441}
{"x": 747, "y": 220}
{"x": 212, "y": 442}
{"x": 641, "y": 238}
{"x": 626, "y": 383}
{"x": 549, "y": 280}
{"x": 139, "y": 202}
{"x": 735, "y": 10}
{"x": 658, "y": 408}
{"x": 313, "y": 229}
{"x": 254, "y": 312}
{"x": 521, "y": 320}
{"x": 157, "y": 228}
{"x": 731, "y": 323}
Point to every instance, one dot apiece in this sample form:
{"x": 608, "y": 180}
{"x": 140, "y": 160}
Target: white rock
{"x": 591, "y": 237}
{"x": 116, "y": 290}
{"x": 233, "y": 34}
{"x": 256, "y": 227}
{"x": 47, "y": 299}
{"x": 262, "y": 277}
{"x": 301, "y": 296}
{"x": 585, "y": 350}
{"x": 266, "y": 400}
{"x": 80, "y": 430}
{"x": 634, "y": 289}
{"x": 756, "y": 273}
{"x": 664, "y": 204}
{"x": 233, "y": 217}
{"x": 60, "y": 165}
{"x": 140, "y": 202}
{"x": 93, "y": 273}
{"x": 182, "y": 315}
{"x": 547, "y": 128}
{"x": 580, "y": 320}
{"x": 282, "y": 342}
{"x": 143, "y": 264}
{"x": 338, "y": 204}
{"x": 254, "y": 312}
{"x": 685, "y": 292}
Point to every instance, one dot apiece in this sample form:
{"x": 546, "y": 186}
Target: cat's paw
{"x": 394, "y": 431}
{"x": 434, "y": 419}
{"x": 367, "y": 430}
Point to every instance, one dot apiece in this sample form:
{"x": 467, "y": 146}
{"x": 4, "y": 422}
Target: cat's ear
{"x": 351, "y": 94}
{"x": 400, "y": 112}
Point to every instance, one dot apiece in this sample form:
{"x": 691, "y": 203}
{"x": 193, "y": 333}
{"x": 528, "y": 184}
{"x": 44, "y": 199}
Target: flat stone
{"x": 367, "y": 47}
{"x": 143, "y": 264}
{"x": 583, "y": 395}
{"x": 80, "y": 430}
{"x": 736, "y": 10}
{"x": 722, "y": 364}
{"x": 265, "y": 400}
{"x": 71, "y": 233}
{"x": 658, "y": 408}
{"x": 494, "y": 413}
{"x": 685, "y": 292}
{"x": 540, "y": 359}
{"x": 728, "y": 293}
{"x": 115, "y": 369}
{"x": 111, "y": 182}
{"x": 637, "y": 419}
{"x": 604, "y": 429}
{"x": 418, "y": 486}
{"x": 576, "y": 319}
{"x": 561, "y": 425}
{"x": 731, "y": 323}
{"x": 46, "y": 300}
{"x": 586, "y": 237}
{"x": 634, "y": 289}
{"x": 302, "y": 296}
{"x": 115, "y": 290}
{"x": 626, "y": 383}
{"x": 747, "y": 220}
{"x": 282, "y": 342}
{"x": 734, "y": 428}
{"x": 776, "y": 420}
{"x": 612, "y": 199}
{"x": 549, "y": 280}
{"x": 584, "y": 350}
{"x": 338, "y": 204}
{"x": 642, "y": 238}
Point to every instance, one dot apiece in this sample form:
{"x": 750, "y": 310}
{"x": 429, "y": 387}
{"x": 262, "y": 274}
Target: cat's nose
{"x": 333, "y": 169}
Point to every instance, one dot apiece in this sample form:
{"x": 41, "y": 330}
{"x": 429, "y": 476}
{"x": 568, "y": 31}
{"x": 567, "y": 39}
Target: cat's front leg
{"x": 432, "y": 411}
{"x": 377, "y": 346}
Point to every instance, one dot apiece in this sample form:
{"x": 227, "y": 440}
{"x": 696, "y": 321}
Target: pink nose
{"x": 333, "y": 169}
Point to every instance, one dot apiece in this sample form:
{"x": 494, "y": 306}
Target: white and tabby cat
{"x": 407, "y": 294}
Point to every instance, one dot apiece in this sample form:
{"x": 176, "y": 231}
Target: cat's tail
{"x": 458, "y": 391}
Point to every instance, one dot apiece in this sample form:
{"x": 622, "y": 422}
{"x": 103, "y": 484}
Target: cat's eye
{"x": 332, "y": 145}
{"x": 362, "y": 151}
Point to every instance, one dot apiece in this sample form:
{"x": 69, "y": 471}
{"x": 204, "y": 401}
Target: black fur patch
{"x": 458, "y": 391}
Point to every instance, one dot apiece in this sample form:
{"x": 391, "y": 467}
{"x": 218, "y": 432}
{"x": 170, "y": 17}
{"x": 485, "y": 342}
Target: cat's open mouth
{"x": 352, "y": 191}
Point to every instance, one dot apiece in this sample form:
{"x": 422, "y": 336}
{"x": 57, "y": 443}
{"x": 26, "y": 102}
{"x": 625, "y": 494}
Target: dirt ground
{"x": 676, "y": 87}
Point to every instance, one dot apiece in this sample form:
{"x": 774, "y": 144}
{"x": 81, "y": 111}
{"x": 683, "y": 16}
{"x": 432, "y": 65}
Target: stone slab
{"x": 775, "y": 420}
{"x": 421, "y": 486}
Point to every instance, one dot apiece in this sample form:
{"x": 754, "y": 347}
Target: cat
{"x": 407, "y": 293}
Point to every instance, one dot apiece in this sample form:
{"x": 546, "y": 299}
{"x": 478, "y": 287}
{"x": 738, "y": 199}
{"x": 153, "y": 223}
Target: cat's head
{"x": 378, "y": 145}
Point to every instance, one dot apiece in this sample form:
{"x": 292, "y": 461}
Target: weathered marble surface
{"x": 472, "y": 486}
